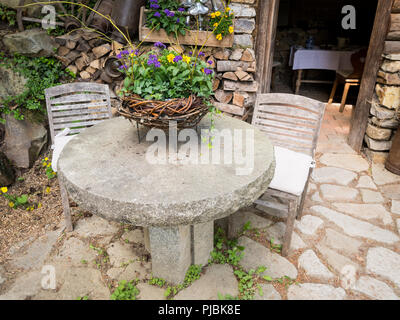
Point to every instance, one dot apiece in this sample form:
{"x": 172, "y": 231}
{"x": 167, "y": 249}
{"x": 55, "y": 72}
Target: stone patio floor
{"x": 346, "y": 246}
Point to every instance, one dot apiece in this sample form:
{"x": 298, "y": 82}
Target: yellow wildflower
{"x": 231, "y": 29}
{"x": 227, "y": 9}
{"x": 46, "y": 159}
{"x": 4, "y": 189}
{"x": 44, "y": 164}
{"x": 186, "y": 59}
{"x": 48, "y": 190}
{"x": 48, "y": 165}
{"x": 39, "y": 205}
{"x": 219, "y": 37}
{"x": 11, "y": 204}
{"x": 213, "y": 15}
{"x": 217, "y": 14}
{"x": 171, "y": 57}
{"x": 215, "y": 25}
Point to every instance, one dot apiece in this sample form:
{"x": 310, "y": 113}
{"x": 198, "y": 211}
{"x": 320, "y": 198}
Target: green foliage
{"x": 275, "y": 247}
{"x": 157, "y": 282}
{"x": 41, "y": 73}
{"x": 125, "y": 291}
{"x": 164, "y": 74}
{"x": 15, "y": 201}
{"x": 8, "y": 15}
{"x": 246, "y": 284}
{"x": 84, "y": 298}
{"x": 49, "y": 170}
{"x": 192, "y": 274}
{"x": 172, "y": 20}
{"x": 222, "y": 23}
{"x": 225, "y": 251}
{"x": 226, "y": 297}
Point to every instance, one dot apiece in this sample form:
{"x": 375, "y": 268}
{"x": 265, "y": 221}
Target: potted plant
{"x": 162, "y": 85}
{"x": 167, "y": 21}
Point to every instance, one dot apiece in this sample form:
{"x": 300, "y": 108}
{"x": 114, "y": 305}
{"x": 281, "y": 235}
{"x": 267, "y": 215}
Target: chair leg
{"x": 303, "y": 196}
{"x": 335, "y": 84}
{"x": 298, "y": 81}
{"x": 289, "y": 227}
{"x": 67, "y": 209}
{"x": 344, "y": 98}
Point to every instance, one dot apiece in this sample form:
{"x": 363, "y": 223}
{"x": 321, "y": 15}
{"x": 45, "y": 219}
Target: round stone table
{"x": 109, "y": 173}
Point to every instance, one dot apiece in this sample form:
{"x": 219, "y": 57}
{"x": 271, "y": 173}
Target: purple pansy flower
{"x": 160, "y": 45}
{"x": 209, "y": 62}
{"x": 181, "y": 9}
{"x": 208, "y": 71}
{"x": 154, "y": 6}
{"x": 177, "y": 58}
{"x": 157, "y": 14}
{"x": 178, "y": 20}
{"x": 201, "y": 54}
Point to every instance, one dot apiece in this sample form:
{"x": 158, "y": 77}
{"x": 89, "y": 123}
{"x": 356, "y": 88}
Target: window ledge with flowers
{"x": 166, "y": 21}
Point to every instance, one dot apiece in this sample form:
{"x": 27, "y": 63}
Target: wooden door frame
{"x": 267, "y": 14}
{"x": 360, "y": 114}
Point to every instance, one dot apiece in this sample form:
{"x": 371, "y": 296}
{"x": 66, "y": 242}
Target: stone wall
{"x": 385, "y": 105}
{"x": 235, "y": 87}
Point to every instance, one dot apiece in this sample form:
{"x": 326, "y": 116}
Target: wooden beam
{"x": 360, "y": 114}
{"x": 267, "y": 21}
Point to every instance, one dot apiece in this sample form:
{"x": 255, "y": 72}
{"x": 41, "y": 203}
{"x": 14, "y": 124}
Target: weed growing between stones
{"x": 126, "y": 291}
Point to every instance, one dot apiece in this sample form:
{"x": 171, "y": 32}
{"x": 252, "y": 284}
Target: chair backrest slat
{"x": 77, "y": 106}
{"x": 290, "y": 121}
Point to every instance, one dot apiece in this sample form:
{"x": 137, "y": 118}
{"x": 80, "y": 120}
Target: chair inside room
{"x": 349, "y": 77}
{"x": 292, "y": 123}
{"x": 72, "y": 108}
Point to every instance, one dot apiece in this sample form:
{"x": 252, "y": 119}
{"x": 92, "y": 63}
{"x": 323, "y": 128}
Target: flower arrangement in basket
{"x": 162, "y": 85}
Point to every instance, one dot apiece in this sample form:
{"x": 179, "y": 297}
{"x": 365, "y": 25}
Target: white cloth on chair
{"x": 60, "y": 141}
{"x": 292, "y": 169}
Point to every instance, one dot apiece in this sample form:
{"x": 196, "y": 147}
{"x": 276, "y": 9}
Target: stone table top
{"x": 105, "y": 171}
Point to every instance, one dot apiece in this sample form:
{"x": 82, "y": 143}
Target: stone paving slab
{"x": 75, "y": 252}
{"x": 256, "y": 255}
{"x": 350, "y": 162}
{"x": 315, "y": 291}
{"x": 309, "y": 224}
{"x": 218, "y": 279}
{"x": 313, "y": 267}
{"x": 149, "y": 292}
{"x": 385, "y": 263}
{"x": 334, "y": 192}
{"x": 366, "y": 211}
{"x": 357, "y": 228}
{"x": 369, "y": 196}
{"x": 382, "y": 176}
{"x": 95, "y": 226}
{"x": 341, "y": 242}
{"x": 374, "y": 289}
{"x": 334, "y": 175}
{"x": 366, "y": 182}
{"x": 268, "y": 292}
{"x": 37, "y": 252}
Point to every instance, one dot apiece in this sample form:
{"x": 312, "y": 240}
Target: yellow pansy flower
{"x": 186, "y": 59}
{"x": 227, "y": 9}
{"x": 11, "y": 204}
{"x": 215, "y": 25}
{"x": 44, "y": 164}
{"x": 213, "y": 15}
{"x": 219, "y": 37}
{"x": 46, "y": 159}
{"x": 171, "y": 57}
{"x": 4, "y": 189}
{"x": 231, "y": 29}
{"x": 217, "y": 14}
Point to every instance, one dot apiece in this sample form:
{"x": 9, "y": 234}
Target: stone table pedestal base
{"x": 174, "y": 249}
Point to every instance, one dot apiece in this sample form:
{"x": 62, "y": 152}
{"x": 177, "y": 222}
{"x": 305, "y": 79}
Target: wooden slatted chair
{"x": 75, "y": 106}
{"x": 292, "y": 123}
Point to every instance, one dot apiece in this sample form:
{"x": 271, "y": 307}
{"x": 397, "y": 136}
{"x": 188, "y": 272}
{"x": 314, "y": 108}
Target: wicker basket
{"x": 187, "y": 112}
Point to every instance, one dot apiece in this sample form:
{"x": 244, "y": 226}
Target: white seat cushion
{"x": 291, "y": 171}
{"x": 60, "y": 141}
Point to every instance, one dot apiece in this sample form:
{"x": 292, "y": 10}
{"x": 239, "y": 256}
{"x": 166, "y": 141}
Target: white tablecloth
{"x": 321, "y": 59}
